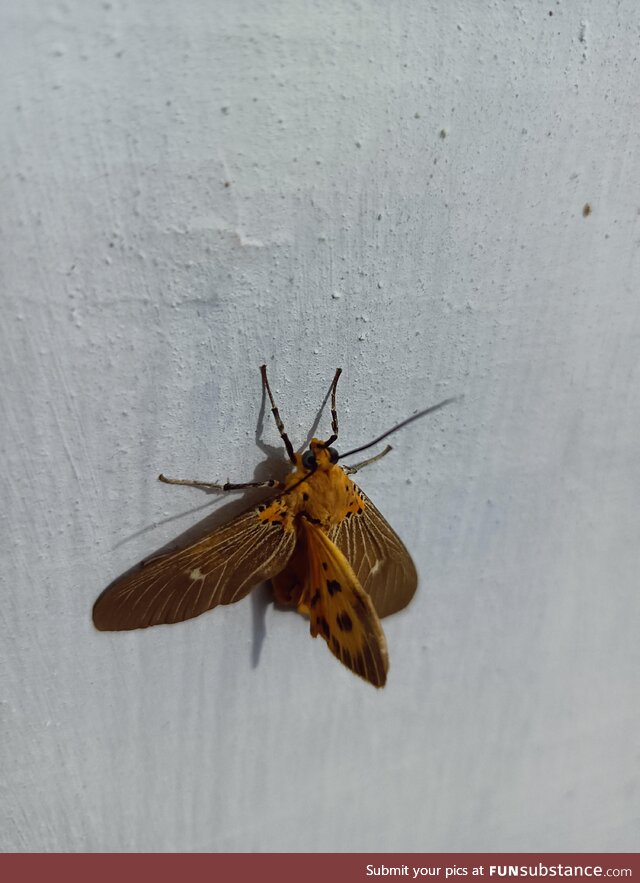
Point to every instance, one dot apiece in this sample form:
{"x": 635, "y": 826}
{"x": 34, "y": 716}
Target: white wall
{"x": 405, "y": 196}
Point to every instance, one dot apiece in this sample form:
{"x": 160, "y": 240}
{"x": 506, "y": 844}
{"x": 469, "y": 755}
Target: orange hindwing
{"x": 339, "y": 608}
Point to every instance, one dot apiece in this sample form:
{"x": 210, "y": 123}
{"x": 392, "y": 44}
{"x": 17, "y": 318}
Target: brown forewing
{"x": 378, "y": 557}
{"x": 221, "y": 568}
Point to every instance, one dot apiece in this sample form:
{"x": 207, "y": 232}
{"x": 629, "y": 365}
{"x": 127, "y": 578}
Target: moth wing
{"x": 378, "y": 557}
{"x": 340, "y": 610}
{"x": 220, "y": 568}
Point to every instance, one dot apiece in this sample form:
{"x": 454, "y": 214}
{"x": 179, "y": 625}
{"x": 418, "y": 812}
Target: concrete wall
{"x": 189, "y": 190}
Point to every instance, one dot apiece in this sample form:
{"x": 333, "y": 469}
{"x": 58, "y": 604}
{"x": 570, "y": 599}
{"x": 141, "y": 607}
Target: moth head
{"x": 318, "y": 456}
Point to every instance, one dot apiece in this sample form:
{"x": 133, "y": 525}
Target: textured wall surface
{"x": 191, "y": 189}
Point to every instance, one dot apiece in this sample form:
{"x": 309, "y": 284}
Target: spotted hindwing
{"x": 340, "y": 610}
{"x": 380, "y": 561}
{"x": 220, "y": 568}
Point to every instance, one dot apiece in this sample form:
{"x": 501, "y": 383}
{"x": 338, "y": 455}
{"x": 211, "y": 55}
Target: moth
{"x": 320, "y": 540}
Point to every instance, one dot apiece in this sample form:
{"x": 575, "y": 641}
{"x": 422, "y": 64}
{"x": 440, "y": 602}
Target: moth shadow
{"x": 275, "y": 465}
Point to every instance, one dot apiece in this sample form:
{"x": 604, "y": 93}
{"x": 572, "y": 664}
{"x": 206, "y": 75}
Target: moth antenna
{"x": 400, "y": 426}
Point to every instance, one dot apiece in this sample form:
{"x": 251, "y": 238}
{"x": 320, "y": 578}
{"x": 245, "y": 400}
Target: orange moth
{"x": 322, "y": 543}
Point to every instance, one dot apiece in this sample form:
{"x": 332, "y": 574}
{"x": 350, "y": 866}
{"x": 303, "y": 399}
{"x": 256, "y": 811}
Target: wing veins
{"x": 226, "y": 564}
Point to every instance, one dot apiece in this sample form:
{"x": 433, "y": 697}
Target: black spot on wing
{"x": 333, "y": 586}
{"x": 344, "y": 622}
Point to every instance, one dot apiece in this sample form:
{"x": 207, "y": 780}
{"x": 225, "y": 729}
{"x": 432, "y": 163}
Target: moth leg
{"x": 227, "y": 486}
{"x": 276, "y": 415}
{"x": 334, "y": 412}
{"x": 350, "y": 470}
